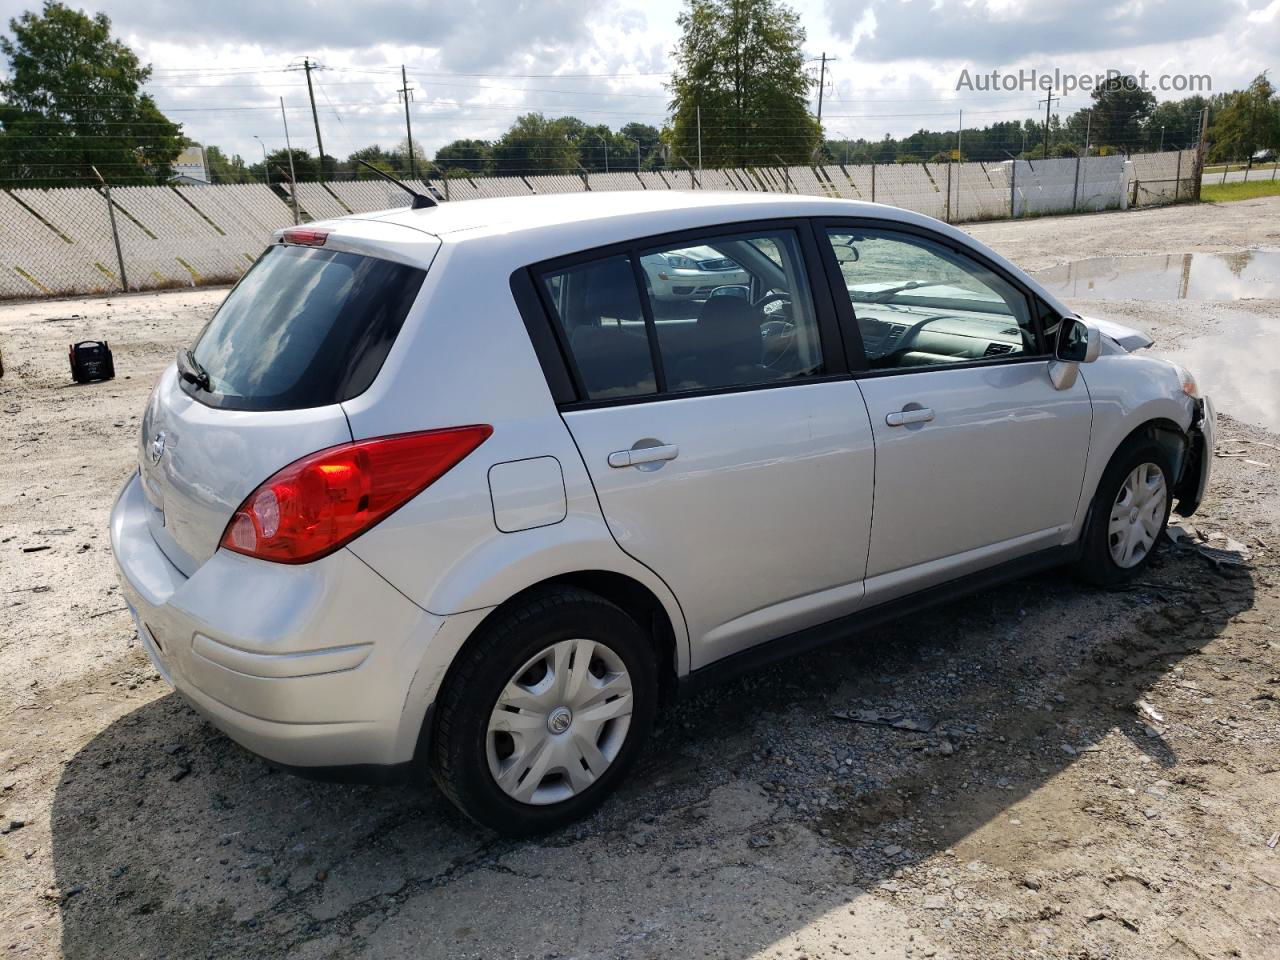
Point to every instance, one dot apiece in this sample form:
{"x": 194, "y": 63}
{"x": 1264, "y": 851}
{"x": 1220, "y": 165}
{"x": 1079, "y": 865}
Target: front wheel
{"x": 544, "y": 711}
{"x": 1129, "y": 514}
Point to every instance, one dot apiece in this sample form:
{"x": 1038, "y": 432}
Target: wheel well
{"x": 1167, "y": 434}
{"x": 635, "y": 598}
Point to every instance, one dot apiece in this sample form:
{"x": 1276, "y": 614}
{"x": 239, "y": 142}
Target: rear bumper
{"x": 1198, "y": 467}
{"x": 318, "y": 665}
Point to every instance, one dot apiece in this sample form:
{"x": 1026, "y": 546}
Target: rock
{"x": 935, "y": 902}
{"x": 892, "y": 850}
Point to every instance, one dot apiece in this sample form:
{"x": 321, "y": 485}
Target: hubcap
{"x": 560, "y": 722}
{"x": 1137, "y": 516}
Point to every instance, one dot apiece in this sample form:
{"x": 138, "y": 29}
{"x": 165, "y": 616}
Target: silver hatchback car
{"x": 439, "y": 490}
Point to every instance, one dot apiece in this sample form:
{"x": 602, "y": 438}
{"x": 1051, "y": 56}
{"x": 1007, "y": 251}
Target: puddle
{"x": 1237, "y": 366}
{"x": 1243, "y": 275}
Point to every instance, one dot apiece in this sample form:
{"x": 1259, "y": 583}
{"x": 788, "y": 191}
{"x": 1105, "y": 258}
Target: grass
{"x": 1223, "y": 192}
{"x": 1219, "y": 168}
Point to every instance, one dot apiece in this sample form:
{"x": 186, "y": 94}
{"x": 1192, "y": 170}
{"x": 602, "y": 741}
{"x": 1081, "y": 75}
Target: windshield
{"x": 303, "y": 328}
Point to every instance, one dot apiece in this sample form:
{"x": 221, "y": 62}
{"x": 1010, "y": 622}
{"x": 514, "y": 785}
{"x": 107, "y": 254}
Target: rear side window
{"x": 304, "y": 328}
{"x": 598, "y": 307}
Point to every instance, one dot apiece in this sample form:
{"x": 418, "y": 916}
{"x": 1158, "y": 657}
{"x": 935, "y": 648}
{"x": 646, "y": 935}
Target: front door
{"x": 979, "y": 459}
{"x": 729, "y": 453}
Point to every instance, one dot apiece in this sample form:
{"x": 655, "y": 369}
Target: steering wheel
{"x": 776, "y": 332}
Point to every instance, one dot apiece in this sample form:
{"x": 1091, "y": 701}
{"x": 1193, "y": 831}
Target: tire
{"x": 1107, "y": 529}
{"x": 521, "y": 651}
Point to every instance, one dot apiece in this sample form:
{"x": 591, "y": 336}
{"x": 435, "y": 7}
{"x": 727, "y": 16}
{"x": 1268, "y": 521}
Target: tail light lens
{"x": 306, "y": 238}
{"x": 321, "y": 502}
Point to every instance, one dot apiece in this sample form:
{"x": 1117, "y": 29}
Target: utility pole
{"x": 1047, "y": 104}
{"x": 1200, "y": 151}
{"x": 293, "y": 178}
{"x": 266, "y": 170}
{"x": 1088, "y": 131}
{"x": 698, "y": 109}
{"x": 637, "y": 143}
{"x": 959, "y": 159}
{"x": 115, "y": 234}
{"x": 308, "y": 66}
{"x": 407, "y": 93}
{"x": 822, "y": 81}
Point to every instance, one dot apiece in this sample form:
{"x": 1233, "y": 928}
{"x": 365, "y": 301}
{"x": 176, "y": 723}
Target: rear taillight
{"x": 316, "y": 504}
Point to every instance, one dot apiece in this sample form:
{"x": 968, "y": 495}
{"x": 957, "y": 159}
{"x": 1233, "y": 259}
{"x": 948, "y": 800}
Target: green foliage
{"x": 740, "y": 62}
{"x": 224, "y": 169}
{"x": 1120, "y": 111}
{"x": 1226, "y": 192}
{"x": 650, "y": 140}
{"x": 73, "y": 101}
{"x": 535, "y": 144}
{"x": 1247, "y": 121}
{"x": 466, "y": 156}
{"x": 305, "y": 166}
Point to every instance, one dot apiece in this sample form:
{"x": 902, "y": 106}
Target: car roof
{"x": 622, "y": 211}
{"x": 541, "y": 227}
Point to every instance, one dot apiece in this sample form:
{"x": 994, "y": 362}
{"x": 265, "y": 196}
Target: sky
{"x": 220, "y": 68}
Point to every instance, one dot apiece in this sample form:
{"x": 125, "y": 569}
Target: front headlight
{"x": 676, "y": 262}
{"x": 1189, "y": 386}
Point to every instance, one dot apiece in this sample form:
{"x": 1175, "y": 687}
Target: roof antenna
{"x": 419, "y": 202}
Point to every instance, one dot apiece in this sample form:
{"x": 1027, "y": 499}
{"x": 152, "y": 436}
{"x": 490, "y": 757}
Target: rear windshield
{"x": 304, "y": 328}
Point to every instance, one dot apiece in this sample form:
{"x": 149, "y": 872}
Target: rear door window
{"x": 305, "y": 327}
{"x": 598, "y": 307}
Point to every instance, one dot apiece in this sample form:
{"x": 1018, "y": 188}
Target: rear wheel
{"x": 1129, "y": 514}
{"x": 544, "y": 712}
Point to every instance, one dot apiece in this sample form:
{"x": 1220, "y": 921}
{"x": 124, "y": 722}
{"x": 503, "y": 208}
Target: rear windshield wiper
{"x": 190, "y": 370}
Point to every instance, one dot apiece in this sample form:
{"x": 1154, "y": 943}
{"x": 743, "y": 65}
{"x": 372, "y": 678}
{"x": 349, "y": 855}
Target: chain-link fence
{"x": 61, "y": 241}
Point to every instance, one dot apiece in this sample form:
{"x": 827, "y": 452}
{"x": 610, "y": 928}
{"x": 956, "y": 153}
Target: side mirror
{"x": 741, "y": 291}
{"x": 1078, "y": 341}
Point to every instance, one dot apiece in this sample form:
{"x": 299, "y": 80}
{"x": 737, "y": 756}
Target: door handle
{"x": 635, "y": 457}
{"x": 903, "y": 417}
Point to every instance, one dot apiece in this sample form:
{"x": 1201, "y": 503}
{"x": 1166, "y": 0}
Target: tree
{"x": 384, "y": 160}
{"x": 650, "y": 140}
{"x": 222, "y": 169}
{"x": 1247, "y": 122}
{"x": 739, "y": 64}
{"x": 466, "y": 156}
{"x": 1175, "y": 123}
{"x": 535, "y": 144}
{"x": 305, "y": 166}
{"x": 1120, "y": 108}
{"x": 73, "y": 100}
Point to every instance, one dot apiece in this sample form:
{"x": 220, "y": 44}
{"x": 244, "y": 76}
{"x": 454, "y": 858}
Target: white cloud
{"x": 220, "y": 67}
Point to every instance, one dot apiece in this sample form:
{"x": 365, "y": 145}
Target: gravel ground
{"x": 1042, "y": 770}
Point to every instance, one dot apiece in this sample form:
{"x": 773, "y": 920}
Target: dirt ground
{"x": 1042, "y": 770}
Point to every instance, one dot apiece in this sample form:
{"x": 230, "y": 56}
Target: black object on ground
{"x": 91, "y": 360}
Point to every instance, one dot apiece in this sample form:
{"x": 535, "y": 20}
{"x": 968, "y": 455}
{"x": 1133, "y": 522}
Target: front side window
{"x": 732, "y": 311}
{"x": 919, "y": 303}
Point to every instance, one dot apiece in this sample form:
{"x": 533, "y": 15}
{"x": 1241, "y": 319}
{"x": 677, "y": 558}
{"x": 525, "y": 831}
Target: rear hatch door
{"x": 305, "y": 329}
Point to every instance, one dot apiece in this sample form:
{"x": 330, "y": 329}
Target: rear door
{"x": 305, "y": 329}
{"x": 730, "y": 450}
{"x": 979, "y": 459}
